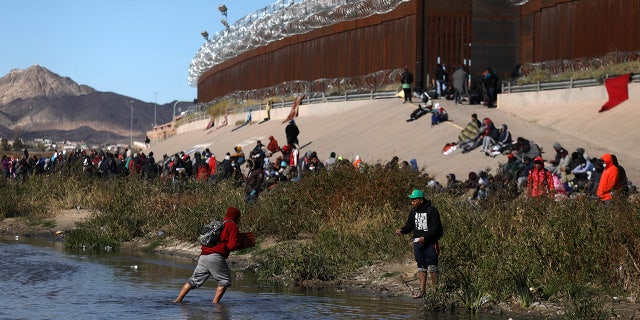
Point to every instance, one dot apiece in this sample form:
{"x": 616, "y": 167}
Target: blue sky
{"x": 137, "y": 48}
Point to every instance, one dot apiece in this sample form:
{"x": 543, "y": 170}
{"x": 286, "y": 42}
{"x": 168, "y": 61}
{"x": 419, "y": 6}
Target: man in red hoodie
{"x": 608, "y": 179}
{"x": 213, "y": 260}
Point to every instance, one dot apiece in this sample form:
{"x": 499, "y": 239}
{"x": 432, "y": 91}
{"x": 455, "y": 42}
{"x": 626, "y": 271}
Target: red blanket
{"x": 618, "y": 91}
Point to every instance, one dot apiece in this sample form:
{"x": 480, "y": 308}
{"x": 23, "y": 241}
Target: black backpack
{"x": 210, "y": 234}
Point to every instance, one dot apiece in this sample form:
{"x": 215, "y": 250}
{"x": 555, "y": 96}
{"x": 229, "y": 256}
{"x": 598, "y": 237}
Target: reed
{"x": 329, "y": 224}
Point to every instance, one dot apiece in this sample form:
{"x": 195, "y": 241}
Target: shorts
{"x": 426, "y": 256}
{"x": 211, "y": 265}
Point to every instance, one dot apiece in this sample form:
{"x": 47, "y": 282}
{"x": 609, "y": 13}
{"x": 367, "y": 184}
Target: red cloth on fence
{"x": 618, "y": 90}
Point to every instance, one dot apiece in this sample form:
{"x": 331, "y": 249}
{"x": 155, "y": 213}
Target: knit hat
{"x": 538, "y": 160}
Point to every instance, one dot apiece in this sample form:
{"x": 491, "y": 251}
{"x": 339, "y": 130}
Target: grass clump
{"x": 89, "y": 240}
{"x": 329, "y": 224}
{"x": 598, "y": 72}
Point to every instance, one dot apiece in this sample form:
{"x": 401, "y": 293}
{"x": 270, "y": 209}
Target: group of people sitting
{"x": 494, "y": 141}
{"x": 527, "y": 173}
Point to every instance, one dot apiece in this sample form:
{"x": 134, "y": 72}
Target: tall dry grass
{"x": 332, "y": 223}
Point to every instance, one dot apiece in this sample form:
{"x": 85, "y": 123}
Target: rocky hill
{"x": 37, "y": 103}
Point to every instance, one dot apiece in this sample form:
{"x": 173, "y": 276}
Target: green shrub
{"x": 335, "y": 222}
{"x": 89, "y": 240}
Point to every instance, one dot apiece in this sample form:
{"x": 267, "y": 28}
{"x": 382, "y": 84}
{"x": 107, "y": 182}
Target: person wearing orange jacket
{"x": 357, "y": 162}
{"x": 608, "y": 179}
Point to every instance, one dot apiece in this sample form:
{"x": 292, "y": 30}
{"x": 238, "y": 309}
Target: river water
{"x": 41, "y": 280}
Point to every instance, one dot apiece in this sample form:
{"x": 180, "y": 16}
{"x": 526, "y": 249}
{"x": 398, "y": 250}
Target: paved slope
{"x": 376, "y": 130}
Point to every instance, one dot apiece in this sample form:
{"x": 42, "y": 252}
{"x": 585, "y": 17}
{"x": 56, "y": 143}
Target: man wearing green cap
{"x": 424, "y": 222}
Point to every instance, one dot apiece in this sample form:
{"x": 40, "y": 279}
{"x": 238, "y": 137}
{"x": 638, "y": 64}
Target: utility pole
{"x": 131, "y": 128}
{"x": 155, "y": 108}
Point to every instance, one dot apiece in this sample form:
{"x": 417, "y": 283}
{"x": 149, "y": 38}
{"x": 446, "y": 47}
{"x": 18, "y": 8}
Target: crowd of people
{"x": 525, "y": 172}
{"x": 457, "y": 87}
{"x": 261, "y": 168}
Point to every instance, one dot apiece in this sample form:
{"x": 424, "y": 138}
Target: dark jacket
{"x": 424, "y": 221}
{"x": 292, "y": 133}
{"x": 254, "y": 180}
{"x": 505, "y": 136}
{"x": 407, "y": 77}
{"x": 493, "y": 132}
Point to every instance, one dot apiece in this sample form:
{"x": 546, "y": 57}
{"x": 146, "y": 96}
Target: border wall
{"x": 472, "y": 33}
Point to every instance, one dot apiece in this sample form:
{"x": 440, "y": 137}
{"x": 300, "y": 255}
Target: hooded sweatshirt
{"x": 505, "y": 136}
{"x": 424, "y": 221}
{"x": 608, "y": 179}
{"x": 228, "y": 238}
{"x": 273, "y": 145}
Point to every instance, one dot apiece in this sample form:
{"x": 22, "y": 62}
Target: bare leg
{"x": 433, "y": 281}
{"x": 183, "y": 292}
{"x": 422, "y": 277}
{"x": 219, "y": 293}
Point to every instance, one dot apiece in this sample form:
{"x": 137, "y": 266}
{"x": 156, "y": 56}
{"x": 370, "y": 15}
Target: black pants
{"x": 407, "y": 94}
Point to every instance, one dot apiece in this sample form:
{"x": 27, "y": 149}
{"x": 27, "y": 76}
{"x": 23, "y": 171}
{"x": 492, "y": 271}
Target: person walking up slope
{"x": 424, "y": 222}
{"x": 292, "y": 132}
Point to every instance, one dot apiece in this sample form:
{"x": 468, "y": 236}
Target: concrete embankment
{"x": 376, "y": 130}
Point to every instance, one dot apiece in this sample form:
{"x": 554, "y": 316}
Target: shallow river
{"x": 40, "y": 280}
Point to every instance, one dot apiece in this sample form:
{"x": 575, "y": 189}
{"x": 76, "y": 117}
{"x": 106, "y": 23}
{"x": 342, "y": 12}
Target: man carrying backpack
{"x": 213, "y": 259}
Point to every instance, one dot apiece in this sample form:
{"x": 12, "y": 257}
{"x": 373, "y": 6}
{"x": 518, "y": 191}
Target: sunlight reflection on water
{"x": 42, "y": 281}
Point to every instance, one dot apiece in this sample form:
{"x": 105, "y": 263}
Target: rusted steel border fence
{"x": 581, "y": 64}
{"x": 321, "y": 88}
